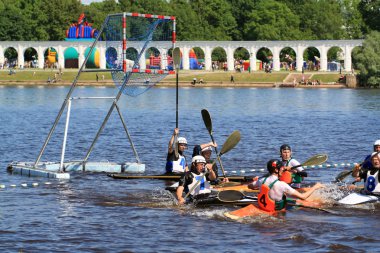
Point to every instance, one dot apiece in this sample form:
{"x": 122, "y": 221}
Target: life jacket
{"x": 203, "y": 187}
{"x": 176, "y": 166}
{"x": 265, "y": 202}
{"x": 289, "y": 177}
{"x": 372, "y": 183}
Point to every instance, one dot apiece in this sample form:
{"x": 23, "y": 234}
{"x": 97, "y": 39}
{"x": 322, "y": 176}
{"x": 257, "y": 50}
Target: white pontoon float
{"x": 131, "y": 79}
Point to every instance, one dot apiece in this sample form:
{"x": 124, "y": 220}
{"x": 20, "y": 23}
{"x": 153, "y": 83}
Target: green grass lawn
{"x": 222, "y": 76}
{"x": 184, "y": 76}
{"x": 43, "y": 75}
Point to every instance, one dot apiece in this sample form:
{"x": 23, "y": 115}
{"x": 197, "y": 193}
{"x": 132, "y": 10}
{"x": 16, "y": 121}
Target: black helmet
{"x": 285, "y": 147}
{"x": 274, "y": 164}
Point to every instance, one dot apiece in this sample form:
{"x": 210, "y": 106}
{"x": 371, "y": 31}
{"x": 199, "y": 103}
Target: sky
{"x": 90, "y": 1}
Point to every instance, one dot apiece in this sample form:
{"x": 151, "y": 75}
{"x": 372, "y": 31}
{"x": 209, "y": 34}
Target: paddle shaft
{"x": 176, "y": 99}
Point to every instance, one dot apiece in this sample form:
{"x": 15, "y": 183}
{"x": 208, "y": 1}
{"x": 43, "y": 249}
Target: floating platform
{"x": 52, "y": 169}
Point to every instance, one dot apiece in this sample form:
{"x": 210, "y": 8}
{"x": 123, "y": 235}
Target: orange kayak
{"x": 250, "y": 210}
{"x": 254, "y": 210}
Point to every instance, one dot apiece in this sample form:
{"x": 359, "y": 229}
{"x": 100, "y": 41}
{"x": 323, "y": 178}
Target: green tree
{"x": 370, "y": 9}
{"x": 321, "y": 19}
{"x": 353, "y": 22}
{"x": 187, "y": 27}
{"x": 368, "y": 61}
{"x": 241, "y": 10}
{"x": 215, "y": 20}
{"x": 271, "y": 20}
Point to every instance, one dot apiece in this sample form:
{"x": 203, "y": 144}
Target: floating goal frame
{"x": 122, "y": 85}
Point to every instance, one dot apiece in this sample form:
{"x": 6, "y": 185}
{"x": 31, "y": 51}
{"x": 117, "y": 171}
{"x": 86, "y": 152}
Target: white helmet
{"x": 207, "y": 149}
{"x": 198, "y": 159}
{"x": 377, "y": 143}
{"x": 182, "y": 140}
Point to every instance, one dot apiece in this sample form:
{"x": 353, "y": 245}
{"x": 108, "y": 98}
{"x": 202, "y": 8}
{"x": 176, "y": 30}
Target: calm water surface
{"x": 94, "y": 213}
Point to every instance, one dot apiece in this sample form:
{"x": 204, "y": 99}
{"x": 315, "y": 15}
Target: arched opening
{"x": 265, "y": 59}
{"x": 51, "y": 58}
{"x": 241, "y": 59}
{"x": 335, "y": 59}
{"x": 354, "y": 54}
{"x": 93, "y": 61}
{"x": 71, "y": 58}
{"x": 219, "y": 58}
{"x": 311, "y": 59}
{"x": 196, "y": 58}
{"x": 288, "y": 59}
{"x": 10, "y": 55}
{"x": 153, "y": 58}
{"x": 30, "y": 58}
{"x": 111, "y": 58}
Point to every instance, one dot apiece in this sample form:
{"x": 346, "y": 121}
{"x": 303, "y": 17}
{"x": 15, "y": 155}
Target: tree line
{"x": 247, "y": 20}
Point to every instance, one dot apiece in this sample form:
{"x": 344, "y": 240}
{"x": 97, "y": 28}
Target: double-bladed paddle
{"x": 312, "y": 161}
{"x": 229, "y": 144}
{"x": 236, "y": 136}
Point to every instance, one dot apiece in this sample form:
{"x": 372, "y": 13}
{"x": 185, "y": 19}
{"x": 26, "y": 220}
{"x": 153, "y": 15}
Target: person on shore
{"x": 371, "y": 176}
{"x": 273, "y": 192}
{"x": 97, "y": 77}
{"x": 195, "y": 181}
{"x": 291, "y": 175}
{"x": 232, "y": 79}
{"x": 176, "y": 164}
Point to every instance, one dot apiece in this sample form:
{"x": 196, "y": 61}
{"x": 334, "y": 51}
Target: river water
{"x": 94, "y": 213}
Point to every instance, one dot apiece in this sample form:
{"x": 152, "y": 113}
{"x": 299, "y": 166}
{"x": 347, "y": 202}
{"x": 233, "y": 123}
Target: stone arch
{"x": 10, "y": 55}
{"x": 219, "y": 58}
{"x": 241, "y": 59}
{"x": 265, "y": 56}
{"x": 153, "y": 58}
{"x": 311, "y": 59}
{"x": 30, "y": 58}
{"x": 71, "y": 56}
{"x": 196, "y": 58}
{"x": 335, "y": 59}
{"x": 288, "y": 58}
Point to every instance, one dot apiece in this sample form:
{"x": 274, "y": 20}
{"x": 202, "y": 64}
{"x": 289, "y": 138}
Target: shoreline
{"x": 110, "y": 83}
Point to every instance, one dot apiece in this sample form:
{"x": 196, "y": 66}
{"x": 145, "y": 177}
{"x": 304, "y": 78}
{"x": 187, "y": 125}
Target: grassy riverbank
{"x": 216, "y": 78}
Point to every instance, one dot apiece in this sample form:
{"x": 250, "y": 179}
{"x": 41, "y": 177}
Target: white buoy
{"x": 34, "y": 184}
{"x": 47, "y": 183}
{"x": 2, "y": 186}
{"x": 24, "y": 185}
{"x": 12, "y": 185}
{"x": 242, "y": 171}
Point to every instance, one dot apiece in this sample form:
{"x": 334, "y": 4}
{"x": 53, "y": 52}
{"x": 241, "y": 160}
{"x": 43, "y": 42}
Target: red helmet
{"x": 274, "y": 164}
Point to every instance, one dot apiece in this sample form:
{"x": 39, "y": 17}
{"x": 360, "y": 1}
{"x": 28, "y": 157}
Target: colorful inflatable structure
{"x": 194, "y": 63}
{"x": 81, "y": 30}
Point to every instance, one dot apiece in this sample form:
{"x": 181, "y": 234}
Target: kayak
{"x": 172, "y": 176}
{"x": 358, "y": 198}
{"x": 254, "y": 210}
{"x": 250, "y": 210}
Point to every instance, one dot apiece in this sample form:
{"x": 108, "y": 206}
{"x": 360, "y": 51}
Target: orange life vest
{"x": 265, "y": 202}
{"x": 286, "y": 177}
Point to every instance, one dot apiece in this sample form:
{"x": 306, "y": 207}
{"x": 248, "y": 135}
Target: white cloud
{"x": 87, "y": 2}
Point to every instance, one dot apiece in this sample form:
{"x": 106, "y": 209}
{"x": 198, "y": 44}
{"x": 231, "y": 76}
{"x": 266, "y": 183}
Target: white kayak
{"x": 358, "y": 198}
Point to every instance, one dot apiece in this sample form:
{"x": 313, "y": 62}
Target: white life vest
{"x": 202, "y": 187}
{"x": 372, "y": 182}
{"x": 179, "y": 165}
